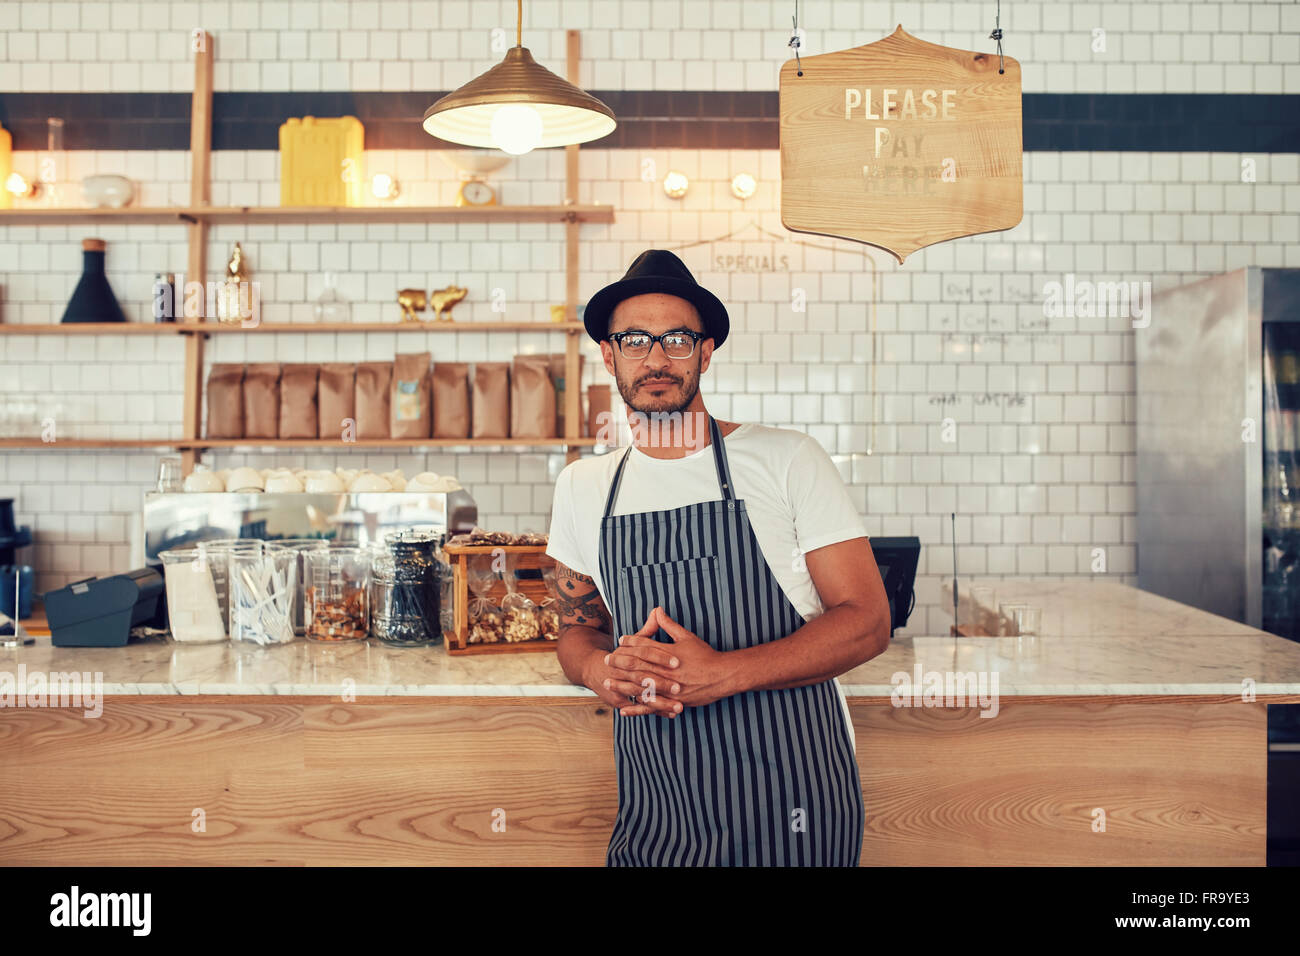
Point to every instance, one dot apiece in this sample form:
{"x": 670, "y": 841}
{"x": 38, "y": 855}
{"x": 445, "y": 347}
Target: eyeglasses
{"x": 678, "y": 344}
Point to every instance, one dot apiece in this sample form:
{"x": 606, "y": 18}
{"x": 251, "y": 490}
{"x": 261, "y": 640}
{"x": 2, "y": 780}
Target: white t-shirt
{"x": 793, "y": 494}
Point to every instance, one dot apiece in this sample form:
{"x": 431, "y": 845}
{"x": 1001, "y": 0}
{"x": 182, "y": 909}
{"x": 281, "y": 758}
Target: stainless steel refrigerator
{"x": 1218, "y": 476}
{"x": 1218, "y": 487}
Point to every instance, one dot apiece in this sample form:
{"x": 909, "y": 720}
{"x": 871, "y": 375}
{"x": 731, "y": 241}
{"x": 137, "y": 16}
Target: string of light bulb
{"x": 743, "y": 185}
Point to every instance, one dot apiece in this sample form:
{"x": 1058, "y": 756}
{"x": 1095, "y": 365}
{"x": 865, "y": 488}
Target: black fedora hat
{"x": 657, "y": 270}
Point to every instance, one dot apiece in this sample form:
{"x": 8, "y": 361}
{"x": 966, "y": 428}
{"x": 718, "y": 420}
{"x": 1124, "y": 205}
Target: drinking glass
{"x": 51, "y": 164}
{"x": 1007, "y": 617}
{"x": 169, "y": 474}
{"x": 1028, "y": 620}
{"x": 984, "y": 605}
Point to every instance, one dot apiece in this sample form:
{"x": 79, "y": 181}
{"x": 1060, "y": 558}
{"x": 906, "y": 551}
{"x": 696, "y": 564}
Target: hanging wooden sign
{"x": 901, "y": 144}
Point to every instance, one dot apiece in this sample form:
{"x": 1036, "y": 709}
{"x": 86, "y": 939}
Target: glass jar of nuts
{"x": 338, "y": 594}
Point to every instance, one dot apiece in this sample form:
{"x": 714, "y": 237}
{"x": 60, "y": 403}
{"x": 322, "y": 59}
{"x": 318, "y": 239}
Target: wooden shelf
{"x": 200, "y": 444}
{"x": 199, "y": 215}
{"x": 251, "y": 215}
{"x": 204, "y": 443}
{"x": 421, "y": 326}
{"x": 185, "y": 328}
{"x": 89, "y": 443}
{"x": 91, "y": 328}
{"x": 309, "y": 214}
{"x": 475, "y": 549}
{"x": 162, "y": 216}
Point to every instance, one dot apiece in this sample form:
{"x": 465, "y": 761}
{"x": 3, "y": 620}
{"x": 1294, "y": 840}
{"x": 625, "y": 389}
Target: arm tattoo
{"x": 580, "y": 602}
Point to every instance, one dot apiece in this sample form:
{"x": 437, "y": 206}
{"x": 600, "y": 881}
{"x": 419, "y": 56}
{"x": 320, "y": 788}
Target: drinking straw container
{"x": 216, "y": 555}
{"x": 262, "y": 583}
{"x": 410, "y": 615}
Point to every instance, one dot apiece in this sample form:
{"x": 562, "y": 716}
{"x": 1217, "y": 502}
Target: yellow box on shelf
{"x": 321, "y": 161}
{"x": 6, "y": 167}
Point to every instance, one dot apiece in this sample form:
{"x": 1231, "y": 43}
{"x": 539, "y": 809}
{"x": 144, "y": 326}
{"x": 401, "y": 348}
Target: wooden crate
{"x": 528, "y": 556}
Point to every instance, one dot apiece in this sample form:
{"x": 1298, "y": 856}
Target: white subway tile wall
{"x": 937, "y": 386}
{"x": 1141, "y": 47}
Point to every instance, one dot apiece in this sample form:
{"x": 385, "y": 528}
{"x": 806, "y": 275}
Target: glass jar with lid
{"x": 381, "y": 590}
{"x": 411, "y": 616}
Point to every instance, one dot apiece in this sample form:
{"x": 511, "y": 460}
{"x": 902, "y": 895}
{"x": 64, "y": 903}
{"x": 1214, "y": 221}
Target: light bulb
{"x": 17, "y": 185}
{"x": 516, "y": 128}
{"x": 676, "y": 184}
{"x": 743, "y": 185}
{"x": 383, "y": 186}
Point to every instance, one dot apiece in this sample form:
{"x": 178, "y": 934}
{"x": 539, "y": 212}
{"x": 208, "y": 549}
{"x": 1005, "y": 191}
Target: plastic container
{"x": 262, "y": 585}
{"x": 301, "y": 547}
{"x": 215, "y": 554}
{"x": 338, "y": 594}
{"x": 193, "y": 612}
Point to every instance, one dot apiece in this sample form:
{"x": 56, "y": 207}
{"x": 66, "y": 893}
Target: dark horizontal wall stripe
{"x": 1162, "y": 122}
{"x": 699, "y": 119}
{"x": 99, "y": 120}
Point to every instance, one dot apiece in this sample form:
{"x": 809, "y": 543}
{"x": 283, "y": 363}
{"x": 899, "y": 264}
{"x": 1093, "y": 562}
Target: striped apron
{"x": 761, "y": 778}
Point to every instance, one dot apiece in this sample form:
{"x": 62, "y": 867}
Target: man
{"x": 714, "y": 579}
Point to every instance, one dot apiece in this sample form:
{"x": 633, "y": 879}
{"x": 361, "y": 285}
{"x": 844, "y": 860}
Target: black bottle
{"x": 93, "y": 300}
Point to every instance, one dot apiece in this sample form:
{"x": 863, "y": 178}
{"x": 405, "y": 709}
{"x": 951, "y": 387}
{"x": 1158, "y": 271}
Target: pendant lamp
{"x": 518, "y": 106}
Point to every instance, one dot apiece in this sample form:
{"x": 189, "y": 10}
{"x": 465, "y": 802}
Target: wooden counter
{"x": 363, "y": 754}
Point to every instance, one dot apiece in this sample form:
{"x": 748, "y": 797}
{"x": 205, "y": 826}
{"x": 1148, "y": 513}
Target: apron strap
{"x": 618, "y": 479}
{"x": 719, "y": 464}
{"x": 720, "y": 460}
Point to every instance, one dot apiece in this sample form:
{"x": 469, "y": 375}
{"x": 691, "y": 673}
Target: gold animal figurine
{"x": 411, "y": 301}
{"x": 235, "y": 267}
{"x": 442, "y": 301}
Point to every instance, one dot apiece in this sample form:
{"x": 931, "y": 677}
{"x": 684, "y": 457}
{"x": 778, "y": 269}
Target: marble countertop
{"x": 1098, "y": 639}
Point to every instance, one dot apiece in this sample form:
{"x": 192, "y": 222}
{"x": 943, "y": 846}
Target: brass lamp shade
{"x": 568, "y": 114}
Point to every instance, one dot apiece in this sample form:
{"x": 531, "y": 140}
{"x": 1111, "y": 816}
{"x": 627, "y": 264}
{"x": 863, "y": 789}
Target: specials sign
{"x": 901, "y": 144}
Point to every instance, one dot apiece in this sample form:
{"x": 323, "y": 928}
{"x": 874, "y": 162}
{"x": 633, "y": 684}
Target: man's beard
{"x": 687, "y": 387}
